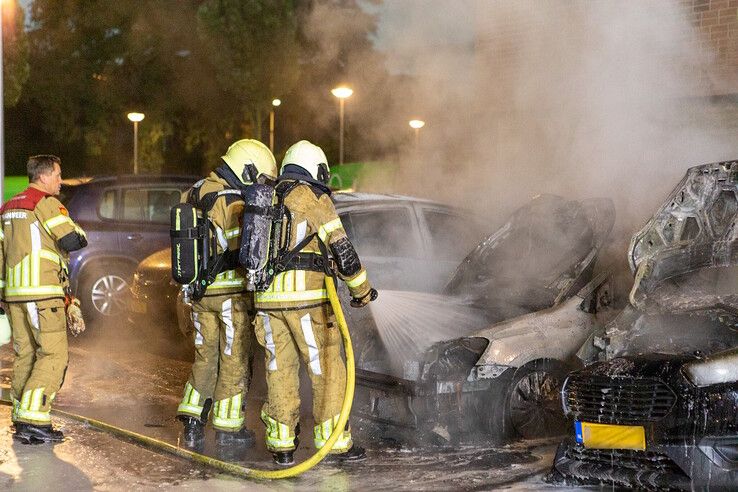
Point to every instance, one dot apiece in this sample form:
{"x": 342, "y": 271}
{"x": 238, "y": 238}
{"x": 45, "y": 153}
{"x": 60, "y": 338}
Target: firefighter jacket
{"x": 225, "y": 216}
{"x": 313, "y": 212}
{"x": 37, "y": 236}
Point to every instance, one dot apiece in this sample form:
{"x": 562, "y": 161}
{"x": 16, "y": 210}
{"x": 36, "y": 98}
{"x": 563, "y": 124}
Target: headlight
{"x": 717, "y": 369}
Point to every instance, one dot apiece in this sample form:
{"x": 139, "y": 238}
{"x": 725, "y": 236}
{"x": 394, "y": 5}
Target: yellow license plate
{"x": 606, "y": 436}
{"x": 137, "y": 306}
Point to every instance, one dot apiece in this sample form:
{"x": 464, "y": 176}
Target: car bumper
{"x": 667, "y": 466}
{"x": 151, "y": 304}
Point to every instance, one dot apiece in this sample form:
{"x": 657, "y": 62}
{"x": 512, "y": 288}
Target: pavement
{"x": 119, "y": 377}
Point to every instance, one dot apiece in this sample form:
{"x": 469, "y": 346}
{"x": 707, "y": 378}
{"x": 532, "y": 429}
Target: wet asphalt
{"x": 133, "y": 379}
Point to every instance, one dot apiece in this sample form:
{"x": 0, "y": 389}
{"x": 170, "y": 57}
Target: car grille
{"x": 623, "y": 458}
{"x": 617, "y": 400}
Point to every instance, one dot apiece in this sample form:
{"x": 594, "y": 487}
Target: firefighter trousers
{"x": 310, "y": 334}
{"x": 41, "y": 357}
{"x": 221, "y": 372}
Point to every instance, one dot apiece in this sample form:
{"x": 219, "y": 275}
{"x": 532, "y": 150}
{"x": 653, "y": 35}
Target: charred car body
{"x": 658, "y": 408}
{"x": 534, "y": 281}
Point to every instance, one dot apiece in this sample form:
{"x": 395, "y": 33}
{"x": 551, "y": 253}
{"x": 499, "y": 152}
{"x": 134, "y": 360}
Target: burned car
{"x": 658, "y": 406}
{"x": 532, "y": 283}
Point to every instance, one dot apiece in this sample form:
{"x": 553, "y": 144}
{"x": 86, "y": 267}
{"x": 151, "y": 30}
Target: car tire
{"x": 103, "y": 292}
{"x": 525, "y": 403}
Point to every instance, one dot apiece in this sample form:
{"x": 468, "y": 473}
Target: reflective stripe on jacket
{"x": 33, "y": 265}
{"x": 310, "y": 214}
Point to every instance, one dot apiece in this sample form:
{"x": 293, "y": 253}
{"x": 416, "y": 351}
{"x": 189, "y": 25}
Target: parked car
{"x": 126, "y": 218}
{"x": 405, "y": 243}
{"x": 534, "y": 279}
{"x": 657, "y": 406}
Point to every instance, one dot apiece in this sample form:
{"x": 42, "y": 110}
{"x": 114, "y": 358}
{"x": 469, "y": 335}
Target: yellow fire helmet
{"x": 250, "y": 159}
{"x": 309, "y": 157}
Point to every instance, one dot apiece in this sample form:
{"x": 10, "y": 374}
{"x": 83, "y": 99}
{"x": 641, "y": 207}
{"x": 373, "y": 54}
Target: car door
{"x": 388, "y": 242}
{"x": 144, "y": 218}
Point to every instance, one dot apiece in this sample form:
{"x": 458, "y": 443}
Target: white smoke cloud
{"x": 578, "y": 98}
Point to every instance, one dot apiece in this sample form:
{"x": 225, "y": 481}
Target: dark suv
{"x": 126, "y": 218}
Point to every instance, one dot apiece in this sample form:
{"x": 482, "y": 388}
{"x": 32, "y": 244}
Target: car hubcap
{"x": 535, "y": 408}
{"x": 108, "y": 295}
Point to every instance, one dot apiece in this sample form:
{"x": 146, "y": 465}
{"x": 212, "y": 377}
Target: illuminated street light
{"x": 135, "y": 118}
{"x": 341, "y": 93}
{"x": 416, "y": 125}
{"x": 275, "y": 103}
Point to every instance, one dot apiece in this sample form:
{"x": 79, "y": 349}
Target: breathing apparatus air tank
{"x": 260, "y": 226}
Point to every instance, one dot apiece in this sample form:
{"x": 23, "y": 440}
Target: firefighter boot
{"x": 287, "y": 457}
{"x": 36, "y": 434}
{"x": 355, "y": 454}
{"x": 244, "y": 437}
{"x": 284, "y": 458}
{"x": 194, "y": 432}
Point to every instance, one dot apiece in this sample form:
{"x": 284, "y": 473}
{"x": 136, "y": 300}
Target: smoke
{"x": 577, "y": 98}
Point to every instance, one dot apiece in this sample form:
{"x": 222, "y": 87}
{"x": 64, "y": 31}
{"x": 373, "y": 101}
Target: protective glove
{"x": 5, "y": 331}
{"x": 370, "y": 296}
{"x": 75, "y": 321}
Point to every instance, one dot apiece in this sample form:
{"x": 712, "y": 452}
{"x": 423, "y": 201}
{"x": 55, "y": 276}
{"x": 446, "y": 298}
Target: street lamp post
{"x": 417, "y": 125}
{"x": 275, "y": 103}
{"x": 341, "y": 93}
{"x": 135, "y": 118}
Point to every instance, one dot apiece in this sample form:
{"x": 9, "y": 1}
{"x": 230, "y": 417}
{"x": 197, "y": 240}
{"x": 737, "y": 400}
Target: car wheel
{"x": 525, "y": 403}
{"x": 534, "y": 402}
{"x": 103, "y": 292}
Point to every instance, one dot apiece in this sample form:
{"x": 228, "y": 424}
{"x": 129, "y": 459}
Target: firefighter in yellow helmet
{"x": 223, "y": 334}
{"x": 294, "y": 319}
{"x": 37, "y": 235}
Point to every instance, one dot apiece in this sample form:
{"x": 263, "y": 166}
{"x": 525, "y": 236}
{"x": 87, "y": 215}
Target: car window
{"x": 386, "y": 232}
{"x": 452, "y": 236}
{"x": 149, "y": 205}
{"x": 107, "y": 205}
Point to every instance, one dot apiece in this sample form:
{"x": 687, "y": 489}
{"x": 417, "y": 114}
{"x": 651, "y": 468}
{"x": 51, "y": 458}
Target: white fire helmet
{"x": 309, "y": 157}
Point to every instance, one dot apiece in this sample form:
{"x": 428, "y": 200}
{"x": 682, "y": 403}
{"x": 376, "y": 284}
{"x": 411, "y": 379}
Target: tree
{"x": 15, "y": 54}
{"x": 254, "y": 53}
{"x": 92, "y": 62}
{"x": 337, "y": 41}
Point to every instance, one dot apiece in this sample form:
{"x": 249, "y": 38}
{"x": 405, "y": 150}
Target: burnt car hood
{"x": 685, "y": 258}
{"x": 541, "y": 256}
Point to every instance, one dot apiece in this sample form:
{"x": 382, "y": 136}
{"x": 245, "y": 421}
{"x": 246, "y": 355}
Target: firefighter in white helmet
{"x": 223, "y": 334}
{"x": 294, "y": 318}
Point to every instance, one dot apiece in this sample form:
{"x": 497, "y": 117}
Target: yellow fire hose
{"x": 243, "y": 471}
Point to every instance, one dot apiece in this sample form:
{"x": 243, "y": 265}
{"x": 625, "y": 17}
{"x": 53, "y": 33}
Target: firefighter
{"x": 223, "y": 334}
{"x": 37, "y": 236}
{"x": 294, "y": 319}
